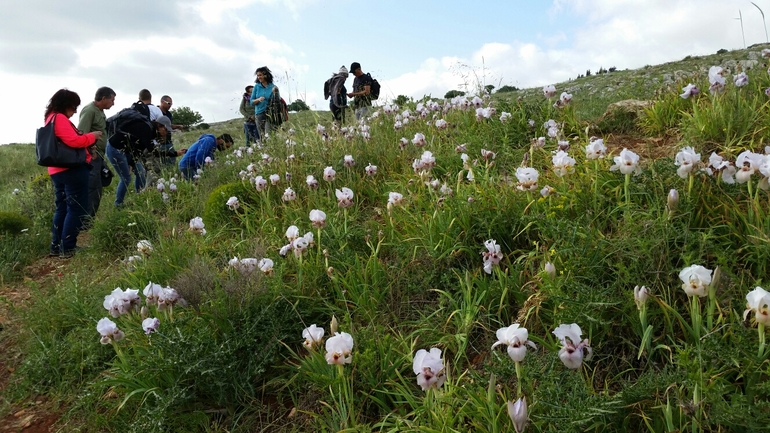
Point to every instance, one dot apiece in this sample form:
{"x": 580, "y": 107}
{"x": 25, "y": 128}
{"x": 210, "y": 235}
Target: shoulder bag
{"x": 52, "y": 152}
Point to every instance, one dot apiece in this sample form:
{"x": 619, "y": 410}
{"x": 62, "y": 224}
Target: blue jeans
{"x": 71, "y": 195}
{"x": 120, "y": 161}
{"x": 251, "y": 132}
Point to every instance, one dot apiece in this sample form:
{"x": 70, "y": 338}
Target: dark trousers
{"x": 251, "y": 132}
{"x": 71, "y": 195}
{"x": 95, "y": 185}
{"x": 338, "y": 112}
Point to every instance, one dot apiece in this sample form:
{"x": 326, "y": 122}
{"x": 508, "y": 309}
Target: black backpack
{"x": 121, "y": 125}
{"x": 374, "y": 88}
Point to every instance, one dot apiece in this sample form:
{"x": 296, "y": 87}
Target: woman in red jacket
{"x": 70, "y": 184}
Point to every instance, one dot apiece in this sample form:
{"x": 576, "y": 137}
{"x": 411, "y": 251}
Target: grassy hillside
{"x": 442, "y": 227}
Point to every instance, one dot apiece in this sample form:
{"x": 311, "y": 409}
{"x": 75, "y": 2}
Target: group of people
{"x": 338, "y": 94}
{"x": 140, "y": 142}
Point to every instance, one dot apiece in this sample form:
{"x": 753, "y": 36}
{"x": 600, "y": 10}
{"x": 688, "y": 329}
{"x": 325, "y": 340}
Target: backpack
{"x": 374, "y": 88}
{"x": 277, "y": 111}
{"x": 334, "y": 87}
{"x": 118, "y": 125}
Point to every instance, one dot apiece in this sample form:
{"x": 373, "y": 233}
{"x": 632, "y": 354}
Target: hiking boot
{"x": 69, "y": 253}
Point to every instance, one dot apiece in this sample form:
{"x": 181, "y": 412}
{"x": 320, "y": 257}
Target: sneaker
{"x": 69, "y": 253}
{"x": 54, "y": 254}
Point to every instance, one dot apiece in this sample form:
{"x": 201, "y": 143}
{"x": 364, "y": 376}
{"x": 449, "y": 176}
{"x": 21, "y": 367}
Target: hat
{"x": 163, "y": 120}
{"x": 343, "y": 71}
{"x": 354, "y": 66}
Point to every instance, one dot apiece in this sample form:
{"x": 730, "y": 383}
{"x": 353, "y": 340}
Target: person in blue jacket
{"x": 196, "y": 155}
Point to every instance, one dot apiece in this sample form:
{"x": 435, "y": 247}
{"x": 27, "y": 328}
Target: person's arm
{"x": 244, "y": 109}
{"x": 254, "y": 95}
{"x": 86, "y": 120}
{"x": 65, "y": 130}
{"x": 364, "y": 92}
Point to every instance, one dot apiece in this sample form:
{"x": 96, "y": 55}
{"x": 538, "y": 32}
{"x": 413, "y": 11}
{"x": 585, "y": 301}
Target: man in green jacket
{"x": 249, "y": 122}
{"x": 92, "y": 119}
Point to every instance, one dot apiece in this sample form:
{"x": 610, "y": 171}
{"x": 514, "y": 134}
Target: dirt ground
{"x": 36, "y": 415}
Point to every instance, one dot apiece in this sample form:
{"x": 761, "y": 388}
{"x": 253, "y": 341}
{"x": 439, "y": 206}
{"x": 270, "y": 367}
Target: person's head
{"x": 162, "y": 126}
{"x": 165, "y": 103}
{"x": 264, "y": 75}
{"x": 249, "y": 89}
{"x": 104, "y": 98}
{"x": 355, "y": 69}
{"x": 63, "y": 101}
{"x": 343, "y": 71}
{"x": 224, "y": 141}
{"x": 145, "y": 96}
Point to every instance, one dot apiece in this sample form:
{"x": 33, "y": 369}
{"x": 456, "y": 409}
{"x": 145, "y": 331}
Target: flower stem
{"x": 695, "y": 316}
{"x": 625, "y": 192}
{"x": 518, "y": 378}
{"x": 761, "y": 330}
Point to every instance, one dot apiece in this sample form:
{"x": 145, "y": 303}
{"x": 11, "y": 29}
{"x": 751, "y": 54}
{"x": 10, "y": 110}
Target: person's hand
{"x": 181, "y": 152}
{"x": 350, "y": 95}
{"x": 97, "y": 134}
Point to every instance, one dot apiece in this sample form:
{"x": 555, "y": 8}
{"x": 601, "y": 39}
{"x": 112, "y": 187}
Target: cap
{"x": 354, "y": 66}
{"x": 163, "y": 120}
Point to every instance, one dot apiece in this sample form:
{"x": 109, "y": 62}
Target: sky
{"x": 204, "y": 52}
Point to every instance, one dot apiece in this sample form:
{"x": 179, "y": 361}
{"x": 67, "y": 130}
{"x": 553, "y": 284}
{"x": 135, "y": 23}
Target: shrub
{"x": 118, "y": 230}
{"x": 216, "y": 211}
{"x": 452, "y": 93}
{"x": 13, "y": 223}
{"x": 507, "y": 89}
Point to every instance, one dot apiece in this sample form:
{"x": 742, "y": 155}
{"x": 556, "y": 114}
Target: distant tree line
{"x": 599, "y": 72}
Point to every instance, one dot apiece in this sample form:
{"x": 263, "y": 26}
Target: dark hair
{"x": 145, "y": 95}
{"x": 103, "y": 93}
{"x": 246, "y": 89}
{"x": 164, "y": 97}
{"x": 227, "y": 138}
{"x": 266, "y": 72}
{"x": 61, "y": 101}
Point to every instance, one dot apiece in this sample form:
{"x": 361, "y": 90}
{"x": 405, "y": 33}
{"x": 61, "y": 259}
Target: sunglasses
{"x": 166, "y": 102}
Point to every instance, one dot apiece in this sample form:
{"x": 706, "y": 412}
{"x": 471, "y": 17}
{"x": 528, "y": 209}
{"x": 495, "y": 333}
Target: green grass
{"x": 399, "y": 278}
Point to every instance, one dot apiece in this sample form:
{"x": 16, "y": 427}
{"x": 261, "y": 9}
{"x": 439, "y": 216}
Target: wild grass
{"x": 405, "y": 276}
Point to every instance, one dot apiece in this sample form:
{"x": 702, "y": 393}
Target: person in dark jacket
{"x": 125, "y": 149}
{"x": 338, "y": 98}
{"x": 249, "y": 119}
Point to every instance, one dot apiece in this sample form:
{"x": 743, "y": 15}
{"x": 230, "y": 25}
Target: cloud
{"x": 603, "y": 33}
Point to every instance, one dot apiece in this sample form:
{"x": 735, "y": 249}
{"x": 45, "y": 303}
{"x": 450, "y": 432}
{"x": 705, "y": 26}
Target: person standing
{"x": 145, "y": 98}
{"x": 92, "y": 119}
{"x": 249, "y": 121}
{"x": 134, "y": 139}
{"x": 338, "y": 102}
{"x": 362, "y": 86}
{"x": 261, "y": 96}
{"x": 70, "y": 184}
{"x": 168, "y": 153}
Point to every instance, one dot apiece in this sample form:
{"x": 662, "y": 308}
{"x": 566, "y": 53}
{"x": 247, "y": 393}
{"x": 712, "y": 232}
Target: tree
{"x": 453, "y": 93}
{"x": 186, "y": 117}
{"x": 489, "y": 88}
{"x": 506, "y": 89}
{"x": 298, "y": 105}
{"x": 401, "y": 100}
